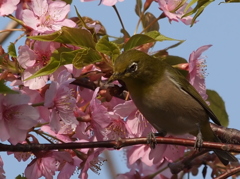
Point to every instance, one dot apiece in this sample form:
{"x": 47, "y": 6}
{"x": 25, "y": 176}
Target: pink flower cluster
{"x": 174, "y": 10}
{"x": 52, "y": 107}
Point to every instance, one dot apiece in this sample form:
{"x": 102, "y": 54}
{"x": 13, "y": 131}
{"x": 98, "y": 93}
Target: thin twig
{"x": 119, "y": 17}
{"x": 229, "y": 173}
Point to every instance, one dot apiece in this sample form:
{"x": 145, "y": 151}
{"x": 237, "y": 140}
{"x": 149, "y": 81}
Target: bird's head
{"x": 133, "y": 65}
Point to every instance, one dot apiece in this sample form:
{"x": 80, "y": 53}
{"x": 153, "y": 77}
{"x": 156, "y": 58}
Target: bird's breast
{"x": 168, "y": 108}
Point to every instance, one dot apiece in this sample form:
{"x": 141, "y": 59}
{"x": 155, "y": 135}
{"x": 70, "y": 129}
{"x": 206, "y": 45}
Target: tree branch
{"x": 116, "y": 144}
{"x": 229, "y": 173}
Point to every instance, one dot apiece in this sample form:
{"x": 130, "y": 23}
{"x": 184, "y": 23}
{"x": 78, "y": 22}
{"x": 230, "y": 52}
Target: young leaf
{"x": 5, "y": 89}
{"x": 136, "y": 40}
{"x": 140, "y": 39}
{"x": 150, "y": 22}
{"x": 138, "y": 7}
{"x": 67, "y": 35}
{"x": 86, "y": 57}
{"x": 159, "y": 37}
{"x": 109, "y": 48}
{"x": 217, "y": 105}
{"x": 61, "y": 56}
{"x": 12, "y": 50}
{"x": 198, "y": 9}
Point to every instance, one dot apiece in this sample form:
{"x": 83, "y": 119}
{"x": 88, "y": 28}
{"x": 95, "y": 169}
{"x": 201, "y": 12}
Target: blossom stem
{"x": 10, "y": 30}
{"x": 119, "y": 17}
{"x": 48, "y": 135}
{"x": 139, "y": 20}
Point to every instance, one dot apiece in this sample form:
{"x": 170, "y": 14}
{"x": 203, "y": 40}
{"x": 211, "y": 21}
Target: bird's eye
{"x": 133, "y": 67}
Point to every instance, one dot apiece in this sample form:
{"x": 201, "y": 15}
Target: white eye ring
{"x": 133, "y": 67}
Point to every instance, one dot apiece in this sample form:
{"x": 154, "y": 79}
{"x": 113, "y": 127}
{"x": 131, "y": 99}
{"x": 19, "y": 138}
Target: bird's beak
{"x": 113, "y": 77}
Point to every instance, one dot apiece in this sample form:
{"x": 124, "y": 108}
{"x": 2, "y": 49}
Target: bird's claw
{"x": 199, "y": 142}
{"x": 151, "y": 139}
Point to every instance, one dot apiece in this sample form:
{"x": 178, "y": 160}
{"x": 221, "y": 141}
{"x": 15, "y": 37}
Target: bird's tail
{"x": 224, "y": 156}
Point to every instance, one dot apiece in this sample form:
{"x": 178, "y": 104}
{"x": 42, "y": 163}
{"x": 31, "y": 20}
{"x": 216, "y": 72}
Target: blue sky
{"x": 218, "y": 25}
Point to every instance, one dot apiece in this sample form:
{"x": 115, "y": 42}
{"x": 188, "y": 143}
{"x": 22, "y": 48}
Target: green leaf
{"x": 136, "y": 40}
{"x": 138, "y": 7}
{"x": 60, "y": 56}
{"x": 174, "y": 60}
{"x": 140, "y": 39}
{"x": 20, "y": 177}
{"x": 189, "y": 5}
{"x": 68, "y": 1}
{"x": 217, "y": 105}
{"x": 150, "y": 22}
{"x": 109, "y": 48}
{"x": 85, "y": 57}
{"x": 12, "y": 50}
{"x": 159, "y": 37}
{"x": 67, "y": 35}
{"x": 198, "y": 9}
{"x": 5, "y": 89}
{"x": 230, "y": 1}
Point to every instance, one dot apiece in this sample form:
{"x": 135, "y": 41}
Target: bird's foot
{"x": 151, "y": 138}
{"x": 199, "y": 141}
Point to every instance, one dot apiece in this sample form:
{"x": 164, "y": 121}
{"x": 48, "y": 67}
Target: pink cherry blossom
{"x": 67, "y": 170}
{"x": 33, "y": 60}
{"x": 8, "y": 6}
{"x": 105, "y": 2}
{"x": 37, "y": 98}
{"x": 59, "y": 98}
{"x": 2, "y": 176}
{"x": 21, "y": 156}
{"x": 168, "y": 6}
{"x": 63, "y": 137}
{"x": 47, "y": 16}
{"x": 197, "y": 70}
{"x": 106, "y": 125}
{"x": 137, "y": 125}
{"x": 93, "y": 161}
{"x": 99, "y": 115}
{"x": 140, "y": 170}
{"x": 46, "y": 164}
{"x": 117, "y": 128}
{"x": 16, "y": 118}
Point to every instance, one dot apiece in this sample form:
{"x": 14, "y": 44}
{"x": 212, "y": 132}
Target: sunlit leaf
{"x": 140, "y": 39}
{"x": 160, "y": 37}
{"x": 217, "y": 105}
{"x": 67, "y": 35}
{"x": 86, "y": 57}
{"x": 60, "y": 56}
{"x": 198, "y": 9}
{"x": 12, "y": 50}
{"x": 107, "y": 47}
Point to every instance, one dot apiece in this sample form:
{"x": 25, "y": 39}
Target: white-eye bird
{"x": 166, "y": 98}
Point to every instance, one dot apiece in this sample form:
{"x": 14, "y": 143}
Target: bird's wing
{"x": 189, "y": 89}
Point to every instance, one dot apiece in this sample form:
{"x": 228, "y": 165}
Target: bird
{"x": 166, "y": 99}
